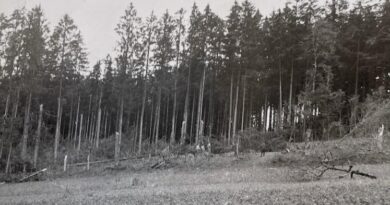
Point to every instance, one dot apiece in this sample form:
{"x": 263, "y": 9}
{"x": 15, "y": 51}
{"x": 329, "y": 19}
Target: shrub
{"x": 252, "y": 139}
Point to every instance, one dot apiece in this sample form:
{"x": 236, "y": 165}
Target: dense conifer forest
{"x": 189, "y": 78}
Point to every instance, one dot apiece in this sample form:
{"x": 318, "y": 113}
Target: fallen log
{"x": 348, "y": 171}
{"x": 106, "y": 161}
{"x": 33, "y": 174}
{"x": 362, "y": 174}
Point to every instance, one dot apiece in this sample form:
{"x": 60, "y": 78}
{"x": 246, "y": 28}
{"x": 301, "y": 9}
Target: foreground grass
{"x": 247, "y": 181}
{"x": 341, "y": 192}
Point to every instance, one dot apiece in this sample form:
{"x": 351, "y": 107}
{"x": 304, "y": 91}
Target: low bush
{"x": 252, "y": 139}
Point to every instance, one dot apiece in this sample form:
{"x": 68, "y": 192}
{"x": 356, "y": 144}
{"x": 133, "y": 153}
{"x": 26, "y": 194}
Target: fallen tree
{"x": 327, "y": 167}
{"x": 315, "y": 168}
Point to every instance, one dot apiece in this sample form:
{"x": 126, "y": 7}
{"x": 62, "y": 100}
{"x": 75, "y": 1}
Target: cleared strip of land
{"x": 246, "y": 183}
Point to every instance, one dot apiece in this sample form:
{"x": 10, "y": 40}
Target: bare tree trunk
{"x": 280, "y": 112}
{"x": 120, "y": 128}
{"x": 118, "y": 133}
{"x": 58, "y": 124}
{"x": 1, "y": 148}
{"x": 243, "y": 102}
{"x": 151, "y": 123}
{"x": 8, "y": 165}
{"x": 235, "y": 112}
{"x": 87, "y": 127}
{"x": 38, "y": 136}
{"x": 210, "y": 122}
{"x": 144, "y": 93}
{"x": 26, "y": 128}
{"x": 136, "y": 132}
{"x": 2, "y": 138}
{"x": 157, "y": 120}
{"x": 192, "y": 118}
{"x": 186, "y": 106}
{"x": 77, "y": 121}
{"x": 117, "y": 149}
{"x": 15, "y": 113}
{"x": 199, "y": 124}
{"x": 230, "y": 111}
{"x": 174, "y": 115}
{"x": 91, "y": 128}
{"x": 70, "y": 127}
{"x": 357, "y": 68}
{"x": 223, "y": 127}
{"x": 58, "y": 129}
{"x": 105, "y": 124}
{"x": 173, "y": 124}
{"x": 109, "y": 125}
{"x": 167, "y": 118}
{"x": 265, "y": 121}
{"x": 98, "y": 121}
{"x": 80, "y": 133}
{"x": 290, "y": 114}
{"x": 250, "y": 109}
{"x": 6, "y": 106}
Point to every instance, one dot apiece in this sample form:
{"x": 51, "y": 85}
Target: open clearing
{"x": 246, "y": 181}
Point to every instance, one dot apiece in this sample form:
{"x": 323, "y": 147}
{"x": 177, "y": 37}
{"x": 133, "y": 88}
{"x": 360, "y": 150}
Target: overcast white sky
{"x": 98, "y": 18}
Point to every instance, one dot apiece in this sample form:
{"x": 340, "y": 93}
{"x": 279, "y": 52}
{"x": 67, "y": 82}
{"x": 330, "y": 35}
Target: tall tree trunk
{"x": 99, "y": 117}
{"x": 157, "y": 120}
{"x": 2, "y": 138}
{"x": 210, "y": 122}
{"x": 243, "y": 102}
{"x": 8, "y": 165}
{"x": 59, "y": 101}
{"x": 11, "y": 129}
{"x": 357, "y": 68}
{"x": 290, "y": 110}
{"x": 6, "y": 106}
{"x": 89, "y": 116}
{"x": 280, "y": 111}
{"x": 91, "y": 126}
{"x": 173, "y": 124}
{"x": 235, "y": 112}
{"x": 80, "y": 134}
{"x": 105, "y": 124}
{"x": 192, "y": 117}
{"x": 120, "y": 127}
{"x": 143, "y": 100}
{"x": 70, "y": 127}
{"x": 167, "y": 118}
{"x": 224, "y": 122}
{"x": 230, "y": 111}
{"x": 200, "y": 124}
{"x": 77, "y": 121}
{"x": 186, "y": 106}
{"x": 265, "y": 120}
{"x": 117, "y": 149}
{"x": 38, "y": 136}
{"x": 178, "y": 42}
{"x": 249, "y": 115}
{"x": 136, "y": 132}
{"x": 58, "y": 129}
{"x": 151, "y": 123}
{"x": 10, "y": 135}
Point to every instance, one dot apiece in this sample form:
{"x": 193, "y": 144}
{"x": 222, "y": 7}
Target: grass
{"x": 229, "y": 181}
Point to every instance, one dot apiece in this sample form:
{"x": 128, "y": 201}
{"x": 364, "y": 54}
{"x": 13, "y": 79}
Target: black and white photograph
{"x": 195, "y": 102}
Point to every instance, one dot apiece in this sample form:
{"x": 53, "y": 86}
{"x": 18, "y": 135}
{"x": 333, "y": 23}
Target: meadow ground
{"x": 221, "y": 180}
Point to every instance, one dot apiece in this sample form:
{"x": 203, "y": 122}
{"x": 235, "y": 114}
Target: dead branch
{"x": 327, "y": 167}
{"x": 33, "y": 174}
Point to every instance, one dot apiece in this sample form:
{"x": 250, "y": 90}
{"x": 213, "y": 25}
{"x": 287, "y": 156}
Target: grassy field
{"x": 220, "y": 180}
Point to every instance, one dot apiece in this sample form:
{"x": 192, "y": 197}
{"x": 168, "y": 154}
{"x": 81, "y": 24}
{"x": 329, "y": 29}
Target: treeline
{"x": 307, "y": 66}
